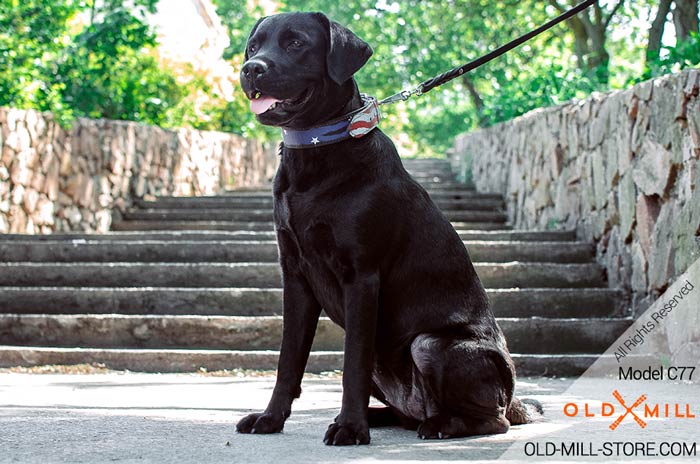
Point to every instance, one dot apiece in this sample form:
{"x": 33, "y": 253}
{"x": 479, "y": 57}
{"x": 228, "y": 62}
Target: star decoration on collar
{"x": 315, "y": 140}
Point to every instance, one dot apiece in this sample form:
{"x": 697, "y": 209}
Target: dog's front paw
{"x": 263, "y": 422}
{"x": 349, "y": 433}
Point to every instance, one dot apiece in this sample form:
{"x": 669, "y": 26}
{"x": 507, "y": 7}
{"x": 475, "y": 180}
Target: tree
{"x": 685, "y": 18}
{"x": 107, "y": 72}
{"x": 107, "y": 68}
{"x": 686, "y": 51}
{"x": 656, "y": 30}
{"x": 31, "y": 33}
{"x": 590, "y": 28}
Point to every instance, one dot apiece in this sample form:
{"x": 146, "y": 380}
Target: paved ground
{"x": 131, "y": 417}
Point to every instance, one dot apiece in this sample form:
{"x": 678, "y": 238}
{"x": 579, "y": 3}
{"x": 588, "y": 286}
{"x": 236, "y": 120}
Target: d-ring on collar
{"x": 352, "y": 125}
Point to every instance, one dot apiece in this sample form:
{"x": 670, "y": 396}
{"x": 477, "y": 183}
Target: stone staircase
{"x": 189, "y": 283}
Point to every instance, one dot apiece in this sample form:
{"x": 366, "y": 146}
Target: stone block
{"x": 19, "y": 174}
{"x": 652, "y": 168}
{"x": 588, "y": 200}
{"x": 640, "y": 127}
{"x": 639, "y": 269}
{"x": 599, "y": 179}
{"x": 541, "y": 196}
{"x": 72, "y": 214}
{"x": 31, "y": 197}
{"x": 87, "y": 193}
{"x": 647, "y": 213}
{"x": 66, "y": 166}
{"x": 611, "y": 160}
{"x": 662, "y": 118}
{"x": 103, "y": 221}
{"x": 627, "y": 199}
{"x": 661, "y": 248}
{"x": 19, "y": 140}
{"x": 17, "y": 195}
{"x": 44, "y": 212}
{"x": 644, "y": 90}
{"x": 75, "y": 186}
{"x": 51, "y": 181}
{"x": 18, "y": 220}
{"x": 598, "y": 126}
{"x": 693, "y": 121}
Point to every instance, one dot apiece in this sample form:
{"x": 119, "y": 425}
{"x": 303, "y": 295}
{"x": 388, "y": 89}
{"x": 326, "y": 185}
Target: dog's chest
{"x": 315, "y": 249}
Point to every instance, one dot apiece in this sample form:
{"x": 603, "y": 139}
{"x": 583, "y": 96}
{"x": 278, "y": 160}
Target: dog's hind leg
{"x": 387, "y": 416}
{"x": 469, "y": 385}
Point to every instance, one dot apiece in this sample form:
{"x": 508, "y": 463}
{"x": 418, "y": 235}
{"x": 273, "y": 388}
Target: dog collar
{"x": 352, "y": 125}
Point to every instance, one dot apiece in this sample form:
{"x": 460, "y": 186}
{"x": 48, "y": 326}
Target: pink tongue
{"x": 262, "y": 104}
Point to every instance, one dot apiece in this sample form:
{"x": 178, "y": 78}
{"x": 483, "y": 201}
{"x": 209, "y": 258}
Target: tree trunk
{"x": 581, "y": 47}
{"x": 685, "y": 18}
{"x": 590, "y": 30}
{"x": 476, "y": 99}
{"x": 599, "y": 58}
{"x": 656, "y": 31}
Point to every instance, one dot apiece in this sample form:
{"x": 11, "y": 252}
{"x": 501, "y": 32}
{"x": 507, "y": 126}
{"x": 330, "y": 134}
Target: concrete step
{"x": 256, "y": 251}
{"x": 543, "y": 302}
{"x": 427, "y": 178}
{"x": 238, "y": 193}
{"x": 458, "y": 187}
{"x": 207, "y": 235}
{"x": 524, "y": 335}
{"x": 440, "y": 186}
{"x": 561, "y": 365}
{"x": 146, "y": 225}
{"x": 265, "y": 215}
{"x": 414, "y": 162}
{"x": 192, "y": 225}
{"x": 455, "y": 191}
{"x": 518, "y": 235}
{"x": 428, "y": 172}
{"x": 140, "y": 251}
{"x": 467, "y": 190}
{"x": 137, "y": 236}
{"x": 265, "y": 275}
{"x": 426, "y": 163}
{"x": 223, "y": 202}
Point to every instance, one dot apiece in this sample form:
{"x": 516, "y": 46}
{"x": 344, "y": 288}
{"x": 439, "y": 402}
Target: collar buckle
{"x": 355, "y": 124}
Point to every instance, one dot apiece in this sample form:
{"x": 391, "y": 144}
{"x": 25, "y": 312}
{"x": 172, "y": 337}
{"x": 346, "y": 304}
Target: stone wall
{"x": 53, "y": 179}
{"x": 621, "y": 168}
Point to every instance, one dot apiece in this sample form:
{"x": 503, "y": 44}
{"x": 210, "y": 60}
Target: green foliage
{"x": 31, "y": 32}
{"x": 685, "y": 54}
{"x": 104, "y": 73}
{"x": 99, "y": 59}
{"x": 104, "y": 69}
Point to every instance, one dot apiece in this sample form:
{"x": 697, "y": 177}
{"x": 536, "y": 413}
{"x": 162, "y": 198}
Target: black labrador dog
{"x": 360, "y": 239}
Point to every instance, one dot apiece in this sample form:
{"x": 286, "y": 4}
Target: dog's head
{"x": 298, "y": 66}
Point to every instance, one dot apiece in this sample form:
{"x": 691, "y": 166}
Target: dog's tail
{"x": 524, "y": 411}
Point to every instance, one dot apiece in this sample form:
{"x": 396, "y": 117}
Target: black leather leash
{"x": 436, "y": 81}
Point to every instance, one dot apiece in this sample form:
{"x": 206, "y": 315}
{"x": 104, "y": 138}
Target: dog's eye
{"x": 294, "y": 44}
{"x": 252, "y": 49}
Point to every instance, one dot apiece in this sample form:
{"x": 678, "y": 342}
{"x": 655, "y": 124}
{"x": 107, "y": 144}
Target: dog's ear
{"x": 347, "y": 53}
{"x": 252, "y": 31}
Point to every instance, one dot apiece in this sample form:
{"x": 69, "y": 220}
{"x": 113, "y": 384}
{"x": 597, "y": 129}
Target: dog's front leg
{"x": 361, "y": 306}
{"x": 301, "y": 313}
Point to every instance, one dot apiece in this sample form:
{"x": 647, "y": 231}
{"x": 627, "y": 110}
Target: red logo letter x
{"x": 628, "y": 410}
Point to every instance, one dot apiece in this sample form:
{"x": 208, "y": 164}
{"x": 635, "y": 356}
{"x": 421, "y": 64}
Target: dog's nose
{"x": 254, "y": 68}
